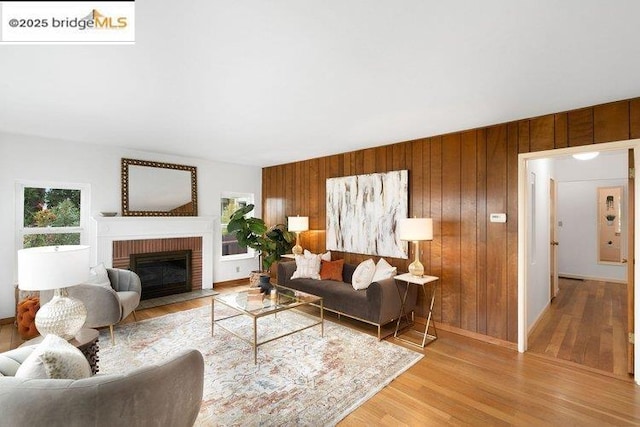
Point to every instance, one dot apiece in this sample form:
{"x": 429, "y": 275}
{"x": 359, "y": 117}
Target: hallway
{"x": 586, "y": 324}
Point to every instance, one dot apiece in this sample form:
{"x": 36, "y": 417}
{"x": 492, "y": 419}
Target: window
{"x": 51, "y": 214}
{"x": 229, "y": 203}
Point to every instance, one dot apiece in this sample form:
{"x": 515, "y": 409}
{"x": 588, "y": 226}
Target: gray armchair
{"x": 164, "y": 394}
{"x": 106, "y": 307}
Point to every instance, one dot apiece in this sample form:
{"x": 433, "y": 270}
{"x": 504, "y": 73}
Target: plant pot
{"x": 265, "y": 284}
{"x": 254, "y": 278}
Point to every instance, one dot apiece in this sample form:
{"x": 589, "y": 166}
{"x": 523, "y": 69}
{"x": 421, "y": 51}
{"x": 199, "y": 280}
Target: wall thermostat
{"x": 498, "y": 217}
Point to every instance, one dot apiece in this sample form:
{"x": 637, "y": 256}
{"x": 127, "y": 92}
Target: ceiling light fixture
{"x": 586, "y": 156}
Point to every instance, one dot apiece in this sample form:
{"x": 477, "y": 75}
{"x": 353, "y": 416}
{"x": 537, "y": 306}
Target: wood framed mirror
{"x": 158, "y": 189}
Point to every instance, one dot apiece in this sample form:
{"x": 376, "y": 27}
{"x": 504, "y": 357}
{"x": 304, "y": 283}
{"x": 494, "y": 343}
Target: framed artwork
{"x": 362, "y": 213}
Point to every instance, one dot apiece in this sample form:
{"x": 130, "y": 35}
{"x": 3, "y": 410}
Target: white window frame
{"x": 85, "y": 209}
{"x": 251, "y": 253}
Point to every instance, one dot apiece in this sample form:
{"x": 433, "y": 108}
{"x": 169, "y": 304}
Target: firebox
{"x": 162, "y": 273}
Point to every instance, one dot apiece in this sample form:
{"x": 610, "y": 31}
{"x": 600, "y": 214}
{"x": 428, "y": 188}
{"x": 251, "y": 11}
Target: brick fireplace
{"x": 124, "y": 251}
{"x": 117, "y": 238}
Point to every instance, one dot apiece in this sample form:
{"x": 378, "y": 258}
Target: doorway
{"x": 536, "y": 262}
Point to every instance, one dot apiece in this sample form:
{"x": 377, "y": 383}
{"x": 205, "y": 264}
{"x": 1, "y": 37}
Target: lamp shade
{"x": 415, "y": 229}
{"x": 298, "y": 223}
{"x": 52, "y": 267}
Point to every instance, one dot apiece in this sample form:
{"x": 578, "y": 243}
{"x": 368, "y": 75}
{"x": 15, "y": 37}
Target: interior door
{"x": 553, "y": 238}
{"x": 630, "y": 261}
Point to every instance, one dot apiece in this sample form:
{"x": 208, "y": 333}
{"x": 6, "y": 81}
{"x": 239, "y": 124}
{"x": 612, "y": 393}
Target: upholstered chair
{"x": 106, "y": 305}
{"x": 163, "y": 394}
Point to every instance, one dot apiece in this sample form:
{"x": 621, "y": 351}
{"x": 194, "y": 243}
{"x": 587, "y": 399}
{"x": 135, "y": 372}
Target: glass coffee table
{"x": 257, "y": 306}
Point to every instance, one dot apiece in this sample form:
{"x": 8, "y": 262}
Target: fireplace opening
{"x": 162, "y": 273}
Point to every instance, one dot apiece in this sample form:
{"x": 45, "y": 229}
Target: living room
{"x": 463, "y": 147}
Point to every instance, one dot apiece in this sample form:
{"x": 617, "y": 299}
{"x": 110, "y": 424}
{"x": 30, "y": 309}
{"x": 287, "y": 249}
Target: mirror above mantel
{"x": 158, "y": 189}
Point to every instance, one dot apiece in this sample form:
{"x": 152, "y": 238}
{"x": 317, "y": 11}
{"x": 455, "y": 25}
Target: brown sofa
{"x": 377, "y": 305}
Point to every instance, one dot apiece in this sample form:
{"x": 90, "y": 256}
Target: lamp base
{"x": 297, "y": 250}
{"x": 416, "y": 269}
{"x": 62, "y": 316}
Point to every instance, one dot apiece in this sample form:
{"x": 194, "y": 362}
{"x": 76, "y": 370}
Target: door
{"x": 553, "y": 238}
{"x": 630, "y": 261}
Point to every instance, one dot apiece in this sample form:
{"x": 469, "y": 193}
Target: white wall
{"x": 538, "y": 271}
{"x": 39, "y": 159}
{"x": 578, "y": 181}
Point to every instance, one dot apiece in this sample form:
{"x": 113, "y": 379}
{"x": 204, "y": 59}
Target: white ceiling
{"x": 262, "y": 82}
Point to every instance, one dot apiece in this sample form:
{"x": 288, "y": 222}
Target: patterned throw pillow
{"x": 363, "y": 274}
{"x": 384, "y": 270}
{"x": 54, "y": 358}
{"x": 323, "y": 257}
{"x": 307, "y": 267}
{"x": 331, "y": 270}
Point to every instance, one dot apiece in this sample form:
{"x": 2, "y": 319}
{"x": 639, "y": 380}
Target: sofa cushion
{"x": 54, "y": 358}
{"x": 307, "y": 267}
{"x": 384, "y": 270}
{"x": 331, "y": 270}
{"x": 363, "y": 274}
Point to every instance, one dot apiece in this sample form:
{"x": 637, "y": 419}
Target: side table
{"x": 422, "y": 281}
{"x": 86, "y": 341}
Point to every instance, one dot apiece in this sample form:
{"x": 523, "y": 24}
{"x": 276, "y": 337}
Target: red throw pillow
{"x": 331, "y": 270}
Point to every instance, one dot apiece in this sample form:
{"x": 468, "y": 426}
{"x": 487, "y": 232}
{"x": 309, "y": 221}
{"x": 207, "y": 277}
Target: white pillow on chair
{"x": 55, "y": 358}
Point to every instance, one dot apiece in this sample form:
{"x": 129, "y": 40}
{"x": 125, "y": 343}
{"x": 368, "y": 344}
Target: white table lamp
{"x": 56, "y": 267}
{"x": 298, "y": 224}
{"x": 415, "y": 230}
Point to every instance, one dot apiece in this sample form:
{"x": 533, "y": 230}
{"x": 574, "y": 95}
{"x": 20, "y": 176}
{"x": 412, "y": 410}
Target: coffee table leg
{"x": 322, "y": 318}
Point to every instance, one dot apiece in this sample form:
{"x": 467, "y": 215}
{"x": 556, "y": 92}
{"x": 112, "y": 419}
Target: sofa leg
{"x": 379, "y": 339}
{"x": 134, "y": 316}
{"x": 113, "y": 339}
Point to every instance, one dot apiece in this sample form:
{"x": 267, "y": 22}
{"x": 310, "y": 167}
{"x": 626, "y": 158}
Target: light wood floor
{"x": 586, "y": 324}
{"x": 462, "y": 381}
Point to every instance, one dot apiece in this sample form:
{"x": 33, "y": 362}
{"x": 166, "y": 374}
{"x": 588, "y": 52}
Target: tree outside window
{"x": 51, "y": 216}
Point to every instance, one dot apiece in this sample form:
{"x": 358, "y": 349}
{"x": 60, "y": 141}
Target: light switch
{"x": 498, "y": 217}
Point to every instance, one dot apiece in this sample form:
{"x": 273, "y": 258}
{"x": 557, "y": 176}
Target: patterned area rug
{"x": 302, "y": 379}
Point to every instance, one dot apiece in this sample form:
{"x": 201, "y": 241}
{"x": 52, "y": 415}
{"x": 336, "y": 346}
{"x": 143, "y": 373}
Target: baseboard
{"x": 595, "y": 279}
{"x": 231, "y": 283}
{"x": 535, "y": 322}
{"x": 7, "y": 321}
{"x": 470, "y": 334}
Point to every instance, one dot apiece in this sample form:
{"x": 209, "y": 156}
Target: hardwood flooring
{"x": 462, "y": 381}
{"x": 586, "y": 324}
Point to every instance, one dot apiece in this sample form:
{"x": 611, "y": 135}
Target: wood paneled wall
{"x": 457, "y": 179}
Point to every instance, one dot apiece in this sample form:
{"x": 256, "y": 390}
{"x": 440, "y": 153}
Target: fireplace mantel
{"x": 110, "y": 229}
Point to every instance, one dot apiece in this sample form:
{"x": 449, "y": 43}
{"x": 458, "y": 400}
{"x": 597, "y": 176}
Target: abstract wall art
{"x": 362, "y": 213}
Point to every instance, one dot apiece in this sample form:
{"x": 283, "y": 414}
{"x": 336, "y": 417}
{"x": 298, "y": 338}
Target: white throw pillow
{"x": 55, "y": 358}
{"x": 363, "y": 274}
{"x": 98, "y": 276}
{"x": 307, "y": 267}
{"x": 325, "y": 256}
{"x": 384, "y": 270}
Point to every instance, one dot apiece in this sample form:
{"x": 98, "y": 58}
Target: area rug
{"x": 300, "y": 380}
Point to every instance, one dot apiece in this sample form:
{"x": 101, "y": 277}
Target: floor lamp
{"x": 415, "y": 230}
{"x": 56, "y": 268}
{"x": 298, "y": 224}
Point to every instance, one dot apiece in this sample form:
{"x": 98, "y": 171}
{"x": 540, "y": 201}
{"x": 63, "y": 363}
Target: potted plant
{"x": 270, "y": 242}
